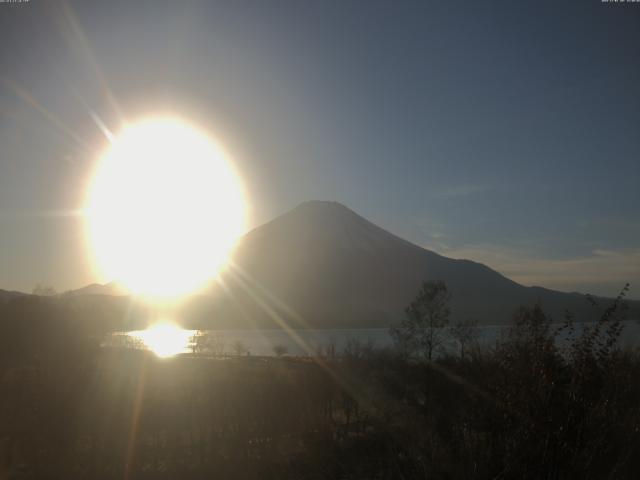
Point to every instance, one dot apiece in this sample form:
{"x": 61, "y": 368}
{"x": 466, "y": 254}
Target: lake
{"x": 310, "y": 341}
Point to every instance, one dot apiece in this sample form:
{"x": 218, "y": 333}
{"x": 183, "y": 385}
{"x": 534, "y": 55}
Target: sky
{"x": 502, "y": 132}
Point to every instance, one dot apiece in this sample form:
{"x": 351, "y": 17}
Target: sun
{"x": 164, "y": 209}
{"x": 165, "y": 339}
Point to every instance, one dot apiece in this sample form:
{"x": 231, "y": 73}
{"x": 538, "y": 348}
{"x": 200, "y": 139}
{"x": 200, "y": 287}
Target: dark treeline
{"x": 528, "y": 407}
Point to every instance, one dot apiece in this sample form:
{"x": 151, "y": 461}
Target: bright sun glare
{"x": 164, "y": 339}
{"x": 164, "y": 209}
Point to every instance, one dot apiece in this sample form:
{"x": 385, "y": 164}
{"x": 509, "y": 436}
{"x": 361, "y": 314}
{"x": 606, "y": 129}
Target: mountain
{"x": 323, "y": 265}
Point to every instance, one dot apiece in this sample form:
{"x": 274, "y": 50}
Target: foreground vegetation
{"x": 529, "y": 407}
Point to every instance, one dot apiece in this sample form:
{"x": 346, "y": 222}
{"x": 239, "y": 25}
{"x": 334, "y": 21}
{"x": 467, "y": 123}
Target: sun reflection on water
{"x": 165, "y": 339}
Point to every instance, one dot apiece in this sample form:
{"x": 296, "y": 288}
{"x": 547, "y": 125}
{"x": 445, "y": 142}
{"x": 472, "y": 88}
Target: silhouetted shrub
{"x": 545, "y": 401}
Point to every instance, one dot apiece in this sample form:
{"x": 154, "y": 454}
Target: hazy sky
{"x": 503, "y": 132}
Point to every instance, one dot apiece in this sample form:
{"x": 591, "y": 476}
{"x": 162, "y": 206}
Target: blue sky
{"x": 504, "y": 132}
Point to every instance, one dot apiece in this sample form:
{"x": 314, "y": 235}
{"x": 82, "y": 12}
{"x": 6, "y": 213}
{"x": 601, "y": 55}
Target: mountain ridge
{"x": 321, "y": 265}
{"x": 361, "y": 270}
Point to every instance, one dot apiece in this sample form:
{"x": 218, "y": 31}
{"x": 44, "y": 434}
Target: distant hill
{"x": 321, "y": 265}
{"x": 111, "y": 288}
{"x": 6, "y": 295}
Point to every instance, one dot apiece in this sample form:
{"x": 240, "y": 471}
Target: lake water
{"x": 309, "y": 342}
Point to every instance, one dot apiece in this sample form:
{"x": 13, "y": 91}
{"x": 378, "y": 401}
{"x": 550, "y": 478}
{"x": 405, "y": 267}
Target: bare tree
{"x": 421, "y": 331}
{"x": 329, "y": 349}
{"x": 239, "y": 348}
{"x": 208, "y": 343}
{"x": 44, "y": 290}
{"x": 465, "y": 334}
{"x": 131, "y": 342}
{"x": 280, "y": 350}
